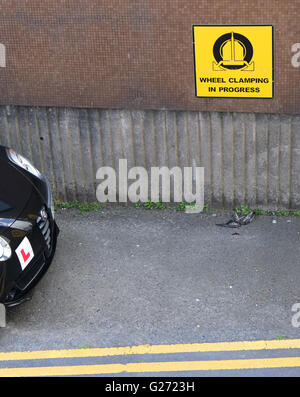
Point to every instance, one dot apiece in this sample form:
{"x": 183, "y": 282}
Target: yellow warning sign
{"x": 234, "y": 61}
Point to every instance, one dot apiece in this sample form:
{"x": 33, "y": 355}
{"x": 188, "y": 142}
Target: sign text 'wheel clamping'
{"x": 234, "y": 61}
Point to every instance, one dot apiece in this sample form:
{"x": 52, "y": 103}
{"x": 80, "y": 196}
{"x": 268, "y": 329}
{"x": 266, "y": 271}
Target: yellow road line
{"x": 173, "y": 366}
{"x": 153, "y": 349}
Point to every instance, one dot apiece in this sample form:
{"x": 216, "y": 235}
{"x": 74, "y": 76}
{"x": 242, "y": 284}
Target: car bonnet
{"x": 15, "y": 191}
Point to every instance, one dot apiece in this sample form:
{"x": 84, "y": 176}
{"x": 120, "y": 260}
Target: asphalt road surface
{"x": 132, "y": 277}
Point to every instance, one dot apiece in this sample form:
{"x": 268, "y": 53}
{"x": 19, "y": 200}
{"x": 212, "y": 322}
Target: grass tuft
{"x": 82, "y": 207}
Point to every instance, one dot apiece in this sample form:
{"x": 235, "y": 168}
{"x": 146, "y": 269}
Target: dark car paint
{"x": 15, "y": 190}
{"x": 24, "y": 183}
{"x": 26, "y": 195}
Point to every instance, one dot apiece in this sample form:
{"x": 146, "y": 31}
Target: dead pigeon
{"x": 247, "y": 219}
{"x": 237, "y": 221}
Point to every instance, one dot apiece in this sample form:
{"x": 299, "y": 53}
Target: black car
{"x": 28, "y": 231}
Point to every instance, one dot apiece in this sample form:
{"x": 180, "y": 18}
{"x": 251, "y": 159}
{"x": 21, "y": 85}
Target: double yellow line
{"x": 148, "y": 367}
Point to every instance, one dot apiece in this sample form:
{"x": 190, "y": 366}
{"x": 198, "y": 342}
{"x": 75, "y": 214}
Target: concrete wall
{"x": 248, "y": 158}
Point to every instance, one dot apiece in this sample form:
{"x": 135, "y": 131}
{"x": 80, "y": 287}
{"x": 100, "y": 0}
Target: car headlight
{"x": 5, "y": 250}
{"x": 23, "y": 163}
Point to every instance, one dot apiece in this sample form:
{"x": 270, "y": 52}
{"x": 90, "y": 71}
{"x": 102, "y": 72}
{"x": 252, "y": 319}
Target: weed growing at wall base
{"x": 82, "y": 207}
